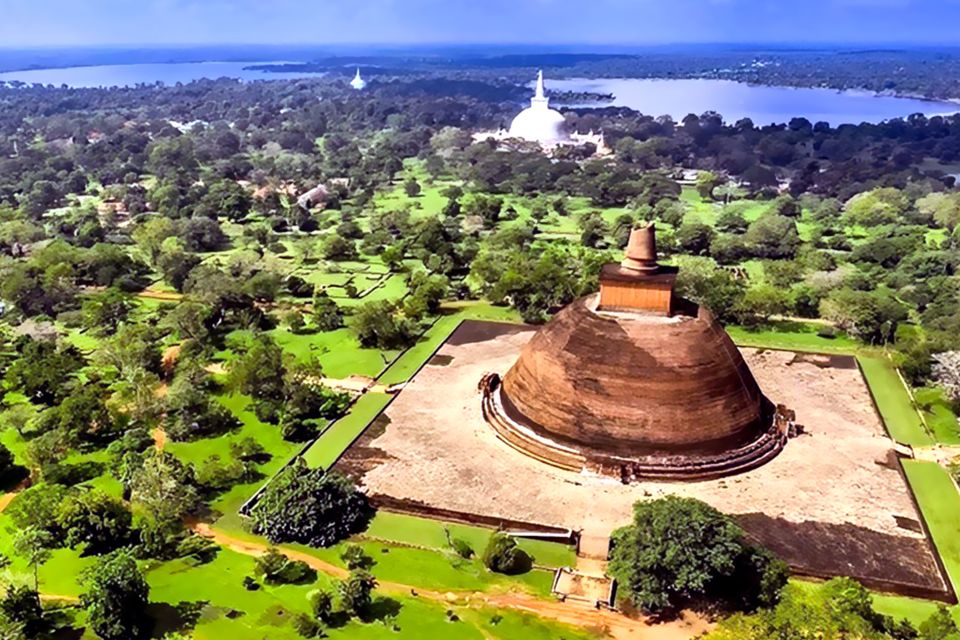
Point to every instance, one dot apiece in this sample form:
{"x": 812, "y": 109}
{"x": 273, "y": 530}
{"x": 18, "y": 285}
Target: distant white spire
{"x": 539, "y": 99}
{"x": 358, "y": 82}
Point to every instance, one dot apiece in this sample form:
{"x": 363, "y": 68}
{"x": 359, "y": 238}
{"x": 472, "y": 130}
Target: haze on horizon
{"x": 35, "y": 23}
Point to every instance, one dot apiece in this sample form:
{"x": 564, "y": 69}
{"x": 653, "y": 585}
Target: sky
{"x": 27, "y": 23}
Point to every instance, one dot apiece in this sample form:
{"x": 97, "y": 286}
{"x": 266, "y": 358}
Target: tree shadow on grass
{"x": 168, "y": 618}
{"x": 381, "y": 609}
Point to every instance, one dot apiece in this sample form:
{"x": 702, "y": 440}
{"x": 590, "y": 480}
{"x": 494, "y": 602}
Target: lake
{"x": 763, "y": 105}
{"x": 124, "y": 75}
{"x": 677, "y": 98}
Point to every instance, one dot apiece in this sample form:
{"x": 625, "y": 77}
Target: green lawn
{"x": 268, "y": 612}
{"x": 938, "y": 414}
{"x": 893, "y": 400}
{"x": 425, "y": 532}
{"x": 791, "y": 336}
{"x": 267, "y": 435}
{"x": 940, "y": 504}
{"x": 341, "y": 434}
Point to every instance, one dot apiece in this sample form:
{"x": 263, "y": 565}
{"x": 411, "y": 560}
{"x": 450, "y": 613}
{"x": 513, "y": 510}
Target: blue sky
{"x": 638, "y": 22}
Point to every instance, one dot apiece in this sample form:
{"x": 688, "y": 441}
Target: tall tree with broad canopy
{"x": 116, "y": 598}
{"x": 680, "y": 551}
{"x": 310, "y": 506}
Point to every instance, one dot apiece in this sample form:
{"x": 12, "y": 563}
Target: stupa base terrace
{"x": 832, "y": 502}
{"x": 511, "y": 429}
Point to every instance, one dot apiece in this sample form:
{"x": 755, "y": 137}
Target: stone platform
{"x": 833, "y": 502}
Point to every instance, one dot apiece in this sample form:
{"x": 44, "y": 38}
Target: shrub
{"x": 462, "y": 548}
{"x": 826, "y": 331}
{"x": 306, "y": 626}
{"x": 354, "y": 557}
{"x": 321, "y": 603}
{"x": 276, "y": 568}
{"x": 502, "y": 555}
{"x": 356, "y": 592}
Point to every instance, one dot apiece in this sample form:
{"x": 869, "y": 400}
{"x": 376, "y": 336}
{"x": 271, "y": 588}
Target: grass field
{"x": 433, "y": 533}
{"x": 230, "y": 611}
{"x": 940, "y": 504}
{"x": 334, "y": 441}
{"x": 938, "y": 414}
{"x": 893, "y": 400}
{"x": 792, "y": 336}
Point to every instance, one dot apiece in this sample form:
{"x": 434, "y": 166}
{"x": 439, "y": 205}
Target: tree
{"x": 772, "y": 236}
{"x": 377, "y": 325}
{"x": 42, "y": 369}
{"x": 225, "y": 198}
{"x": 105, "y": 312}
{"x": 116, "y": 598}
{"x": 150, "y": 236}
{"x": 310, "y": 506}
{"x": 872, "y": 316}
{"x": 275, "y": 568}
{"x": 942, "y": 208}
{"x": 761, "y": 302}
{"x": 356, "y": 592}
{"x": 162, "y": 486}
{"x": 355, "y": 558}
{"x": 939, "y": 626}
{"x": 321, "y": 604}
{"x": 34, "y": 545}
{"x": 36, "y": 507}
{"x": 336, "y": 247}
{"x": 412, "y": 188}
{"x": 327, "y": 315}
{"x": 840, "y": 608}
{"x": 502, "y": 555}
{"x": 707, "y": 181}
{"x": 18, "y": 417}
{"x": 21, "y": 606}
{"x": 703, "y": 282}
{"x": 259, "y": 372}
{"x": 680, "y": 549}
{"x": 95, "y": 519}
{"x": 694, "y": 237}
{"x": 876, "y": 207}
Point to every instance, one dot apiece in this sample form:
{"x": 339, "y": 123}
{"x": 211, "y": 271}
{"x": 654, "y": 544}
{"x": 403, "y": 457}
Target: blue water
{"x": 124, "y": 75}
{"x": 677, "y": 98}
{"x": 763, "y": 105}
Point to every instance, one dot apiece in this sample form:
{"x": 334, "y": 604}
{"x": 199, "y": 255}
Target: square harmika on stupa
{"x": 636, "y": 382}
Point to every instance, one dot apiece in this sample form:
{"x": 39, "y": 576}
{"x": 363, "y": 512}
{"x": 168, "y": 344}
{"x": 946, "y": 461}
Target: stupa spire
{"x": 641, "y": 254}
{"x": 539, "y": 99}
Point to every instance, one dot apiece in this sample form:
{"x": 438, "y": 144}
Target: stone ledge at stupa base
{"x": 629, "y": 469}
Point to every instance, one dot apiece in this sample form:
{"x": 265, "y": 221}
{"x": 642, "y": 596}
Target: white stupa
{"x": 358, "y": 83}
{"x": 538, "y": 122}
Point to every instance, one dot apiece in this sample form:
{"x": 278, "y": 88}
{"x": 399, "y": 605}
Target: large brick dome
{"x": 635, "y": 383}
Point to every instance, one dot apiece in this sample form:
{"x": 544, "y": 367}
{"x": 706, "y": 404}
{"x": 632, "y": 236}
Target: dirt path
{"x": 159, "y": 438}
{"x": 7, "y": 498}
{"x": 942, "y": 454}
{"x": 614, "y": 624}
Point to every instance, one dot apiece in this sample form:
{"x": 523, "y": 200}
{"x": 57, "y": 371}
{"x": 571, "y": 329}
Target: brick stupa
{"x": 637, "y": 382}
